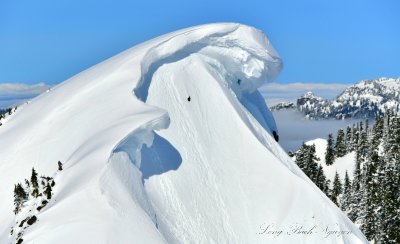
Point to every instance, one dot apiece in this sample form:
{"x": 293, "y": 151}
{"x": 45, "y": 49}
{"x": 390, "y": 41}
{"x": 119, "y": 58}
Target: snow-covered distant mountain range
{"x": 167, "y": 142}
{"x": 367, "y": 98}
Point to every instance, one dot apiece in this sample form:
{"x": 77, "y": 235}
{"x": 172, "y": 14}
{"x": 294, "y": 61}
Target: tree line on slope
{"x": 22, "y": 194}
{"x": 6, "y": 112}
{"x": 372, "y": 198}
{"x": 36, "y": 193}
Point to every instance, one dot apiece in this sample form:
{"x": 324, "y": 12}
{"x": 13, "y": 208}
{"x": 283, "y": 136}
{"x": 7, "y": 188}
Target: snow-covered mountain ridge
{"x": 367, "y": 98}
{"x": 283, "y": 106}
{"x": 167, "y": 142}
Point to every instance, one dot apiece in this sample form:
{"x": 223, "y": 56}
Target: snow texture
{"x": 142, "y": 164}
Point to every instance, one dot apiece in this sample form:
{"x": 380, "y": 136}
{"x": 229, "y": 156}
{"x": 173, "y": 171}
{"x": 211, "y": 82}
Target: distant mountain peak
{"x": 283, "y": 106}
{"x": 367, "y": 98}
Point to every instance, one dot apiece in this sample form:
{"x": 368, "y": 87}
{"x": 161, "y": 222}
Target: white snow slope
{"x": 144, "y": 165}
{"x": 340, "y": 165}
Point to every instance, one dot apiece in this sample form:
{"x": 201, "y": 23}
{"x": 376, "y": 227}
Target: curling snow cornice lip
{"x": 236, "y": 44}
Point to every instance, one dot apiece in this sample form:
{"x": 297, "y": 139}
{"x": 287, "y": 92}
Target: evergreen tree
{"x": 340, "y": 146}
{"x": 327, "y": 190}
{"x": 377, "y": 132}
{"x": 390, "y": 213}
{"x": 20, "y": 196}
{"x": 311, "y": 163}
{"x": 48, "y": 191}
{"x": 373, "y": 209}
{"x": 371, "y": 200}
{"x": 301, "y": 155}
{"x": 336, "y": 189}
{"x": 355, "y": 136}
{"x": 306, "y": 159}
{"x": 349, "y": 142}
{"x": 320, "y": 180}
{"x": 17, "y": 201}
{"x": 34, "y": 183}
{"x": 329, "y": 154}
{"x": 356, "y": 195}
{"x": 362, "y": 147}
{"x": 28, "y": 185}
{"x": 345, "y": 201}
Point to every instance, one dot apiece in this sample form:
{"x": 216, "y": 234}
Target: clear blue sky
{"x": 339, "y": 41}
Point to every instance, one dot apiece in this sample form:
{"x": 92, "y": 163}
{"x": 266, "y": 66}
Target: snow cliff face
{"x": 368, "y": 98}
{"x": 143, "y": 163}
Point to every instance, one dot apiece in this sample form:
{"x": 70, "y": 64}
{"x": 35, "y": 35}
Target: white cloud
{"x": 9, "y": 89}
{"x": 13, "y": 93}
{"x": 303, "y": 86}
{"x": 275, "y": 92}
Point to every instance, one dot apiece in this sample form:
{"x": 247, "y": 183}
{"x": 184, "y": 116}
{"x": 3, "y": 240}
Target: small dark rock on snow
{"x": 276, "y": 137}
{"x": 31, "y": 220}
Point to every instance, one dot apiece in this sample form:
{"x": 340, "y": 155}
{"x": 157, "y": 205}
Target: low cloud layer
{"x": 275, "y": 92}
{"x": 12, "y": 94}
{"x": 294, "y": 129}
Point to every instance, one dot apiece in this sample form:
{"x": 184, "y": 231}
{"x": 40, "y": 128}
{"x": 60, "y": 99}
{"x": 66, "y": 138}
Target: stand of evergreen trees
{"x": 5, "y": 112}
{"x": 21, "y": 193}
{"x": 36, "y": 193}
{"x": 372, "y": 199}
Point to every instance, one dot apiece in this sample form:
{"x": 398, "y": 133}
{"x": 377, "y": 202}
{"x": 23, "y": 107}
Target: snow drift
{"x": 142, "y": 164}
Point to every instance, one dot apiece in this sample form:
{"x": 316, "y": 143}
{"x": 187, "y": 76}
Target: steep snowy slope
{"x": 143, "y": 163}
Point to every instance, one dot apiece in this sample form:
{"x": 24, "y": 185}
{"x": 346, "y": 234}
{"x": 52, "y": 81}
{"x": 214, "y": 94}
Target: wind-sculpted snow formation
{"x": 145, "y": 164}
